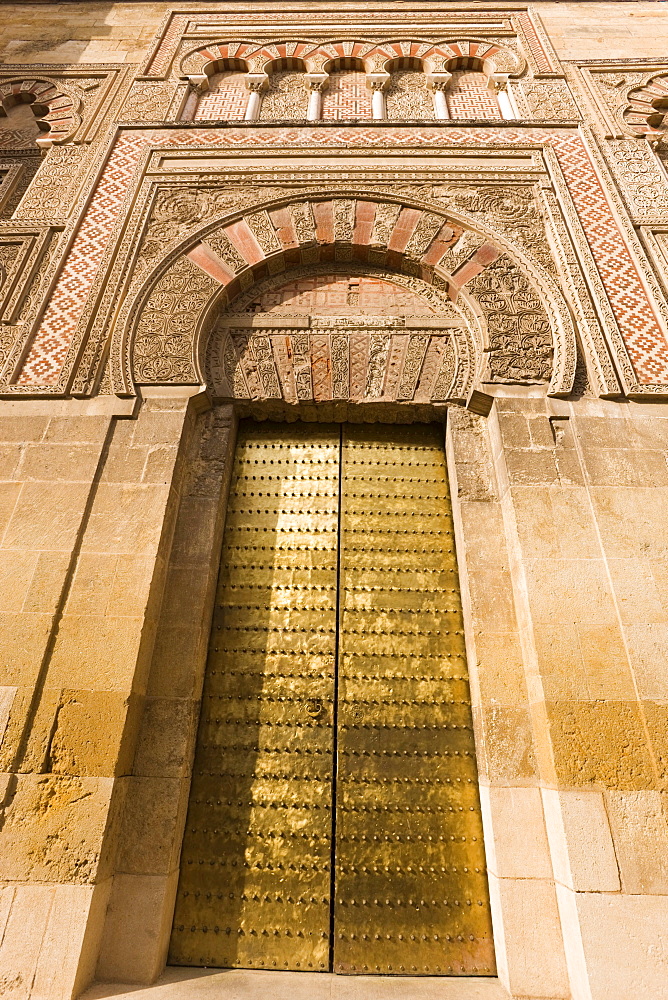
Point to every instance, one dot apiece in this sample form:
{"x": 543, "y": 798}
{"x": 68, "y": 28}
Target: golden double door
{"x": 334, "y": 818}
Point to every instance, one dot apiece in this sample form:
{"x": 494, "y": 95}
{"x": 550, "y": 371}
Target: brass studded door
{"x": 334, "y": 819}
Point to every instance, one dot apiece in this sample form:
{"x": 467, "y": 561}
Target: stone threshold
{"x": 241, "y": 984}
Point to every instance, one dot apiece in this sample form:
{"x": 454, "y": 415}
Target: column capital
{"x": 378, "y": 81}
{"x": 256, "y": 82}
{"x": 498, "y": 81}
{"x": 199, "y": 82}
{"x": 438, "y": 81}
{"x": 316, "y": 81}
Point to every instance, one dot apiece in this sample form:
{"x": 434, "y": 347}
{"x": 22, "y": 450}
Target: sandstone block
{"x": 640, "y": 833}
{"x": 67, "y": 959}
{"x": 515, "y": 838}
{"x": 625, "y": 947}
{"x": 166, "y": 737}
{"x": 126, "y": 518}
{"x": 509, "y": 744}
{"x": 152, "y": 828}
{"x": 633, "y": 520}
{"x": 92, "y": 735}
{"x": 581, "y": 847}
{"x": 648, "y": 652}
{"x": 533, "y": 939}
{"x": 16, "y": 571}
{"x": 499, "y": 668}
{"x": 11, "y": 457}
{"x": 570, "y": 590}
{"x": 600, "y": 744}
{"x": 53, "y": 829}
{"x": 97, "y": 652}
{"x": 80, "y": 428}
{"x": 47, "y": 515}
{"x": 23, "y": 428}
{"x": 92, "y": 583}
{"x": 137, "y": 928}
{"x": 48, "y": 580}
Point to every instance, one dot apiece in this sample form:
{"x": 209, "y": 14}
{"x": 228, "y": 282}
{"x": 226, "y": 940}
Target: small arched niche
{"x": 286, "y": 96}
{"x": 347, "y": 95}
{"x": 226, "y": 98}
{"x": 469, "y": 94}
{"x": 408, "y": 95}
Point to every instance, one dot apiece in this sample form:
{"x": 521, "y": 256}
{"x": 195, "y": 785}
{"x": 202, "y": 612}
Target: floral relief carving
{"x": 465, "y": 247}
{"x": 513, "y": 210}
{"x": 260, "y": 225}
{"x": 164, "y": 337}
{"x": 53, "y": 189}
{"x": 148, "y": 100}
{"x": 384, "y": 222}
{"x": 221, "y": 244}
{"x": 303, "y": 221}
{"x": 408, "y": 96}
{"x": 286, "y": 98}
{"x": 642, "y": 180}
{"x": 550, "y": 100}
{"x": 176, "y": 210}
{"x": 423, "y": 235}
{"x": 344, "y": 220}
{"x": 520, "y": 340}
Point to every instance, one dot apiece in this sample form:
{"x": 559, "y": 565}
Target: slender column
{"x": 438, "y": 83}
{"x": 378, "y": 84}
{"x": 499, "y": 83}
{"x": 316, "y": 82}
{"x": 255, "y": 83}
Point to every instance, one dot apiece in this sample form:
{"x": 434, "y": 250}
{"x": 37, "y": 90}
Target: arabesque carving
{"x": 286, "y": 97}
{"x": 521, "y": 329}
{"x": 163, "y": 348}
{"x": 520, "y": 347}
{"x": 408, "y": 96}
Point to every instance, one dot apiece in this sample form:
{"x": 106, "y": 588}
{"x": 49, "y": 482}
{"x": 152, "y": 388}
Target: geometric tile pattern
{"x": 347, "y": 96}
{"x": 226, "y": 99}
{"x": 468, "y": 96}
{"x": 49, "y": 349}
{"x": 635, "y": 317}
{"x": 633, "y": 311}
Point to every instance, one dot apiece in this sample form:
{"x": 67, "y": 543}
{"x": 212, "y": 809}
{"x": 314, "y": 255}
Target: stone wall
{"x": 162, "y": 273}
{"x": 104, "y": 31}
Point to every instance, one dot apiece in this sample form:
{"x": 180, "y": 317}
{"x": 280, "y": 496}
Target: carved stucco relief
{"x": 518, "y": 349}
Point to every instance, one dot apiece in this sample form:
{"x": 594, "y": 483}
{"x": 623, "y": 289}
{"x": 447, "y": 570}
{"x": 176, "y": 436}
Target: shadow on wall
{"x": 78, "y": 33}
{"x": 216, "y": 984}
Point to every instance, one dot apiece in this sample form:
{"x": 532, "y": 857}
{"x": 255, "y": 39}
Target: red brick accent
{"x": 404, "y": 228}
{"x": 323, "y": 213}
{"x": 204, "y": 257}
{"x": 285, "y": 230}
{"x": 365, "y": 213}
{"x": 485, "y": 256}
{"x": 445, "y": 238}
{"x": 245, "y": 242}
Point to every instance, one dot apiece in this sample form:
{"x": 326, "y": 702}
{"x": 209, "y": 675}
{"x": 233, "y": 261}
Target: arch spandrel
{"x": 162, "y": 334}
